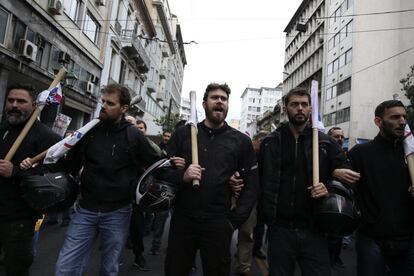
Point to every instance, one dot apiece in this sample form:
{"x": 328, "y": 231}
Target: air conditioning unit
{"x": 301, "y": 27}
{"x": 90, "y": 87}
{"x": 27, "y": 49}
{"x": 94, "y": 79}
{"x": 100, "y": 2}
{"x": 64, "y": 57}
{"x": 55, "y": 7}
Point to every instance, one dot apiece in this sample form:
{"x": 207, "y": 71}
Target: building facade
{"x": 185, "y": 108}
{"x": 255, "y": 102}
{"x": 147, "y": 55}
{"x": 304, "y": 46}
{"x": 38, "y": 37}
{"x": 136, "y": 43}
{"x": 357, "y": 60}
{"x": 366, "y": 57}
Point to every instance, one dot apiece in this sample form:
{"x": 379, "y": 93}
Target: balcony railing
{"x": 133, "y": 47}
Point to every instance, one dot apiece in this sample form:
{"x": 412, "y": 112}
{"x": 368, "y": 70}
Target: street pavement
{"x": 51, "y": 239}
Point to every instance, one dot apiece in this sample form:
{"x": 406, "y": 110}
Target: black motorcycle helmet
{"x": 154, "y": 194}
{"x": 49, "y": 191}
{"x": 338, "y": 213}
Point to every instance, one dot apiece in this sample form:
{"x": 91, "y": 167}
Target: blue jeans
{"x": 372, "y": 261}
{"x": 81, "y": 234}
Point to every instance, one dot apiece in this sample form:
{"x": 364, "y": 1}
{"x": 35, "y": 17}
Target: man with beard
{"x": 385, "y": 236}
{"x": 112, "y": 155}
{"x": 288, "y": 195}
{"x": 202, "y": 219}
{"x": 17, "y": 219}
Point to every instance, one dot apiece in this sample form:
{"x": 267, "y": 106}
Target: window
{"x": 331, "y": 43}
{"x": 335, "y": 65}
{"x": 71, "y": 8}
{"x": 348, "y": 56}
{"x": 334, "y": 17}
{"x": 44, "y": 61}
{"x": 341, "y": 61}
{"x": 4, "y": 17}
{"x": 329, "y": 93}
{"x": 342, "y": 115}
{"x": 344, "y": 86}
{"x": 329, "y": 119}
{"x": 91, "y": 28}
{"x": 54, "y": 62}
{"x": 19, "y": 32}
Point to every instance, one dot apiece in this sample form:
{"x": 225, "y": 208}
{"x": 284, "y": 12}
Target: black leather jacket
{"x": 221, "y": 152}
{"x": 39, "y": 138}
{"x": 331, "y": 157}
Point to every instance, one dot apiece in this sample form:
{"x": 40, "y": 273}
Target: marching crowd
{"x": 244, "y": 185}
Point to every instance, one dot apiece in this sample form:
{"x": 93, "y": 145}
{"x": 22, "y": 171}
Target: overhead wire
{"x": 239, "y": 40}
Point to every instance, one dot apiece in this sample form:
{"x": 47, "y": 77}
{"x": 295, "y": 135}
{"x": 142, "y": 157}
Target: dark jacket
{"x": 221, "y": 152}
{"x": 331, "y": 157}
{"x": 112, "y": 161}
{"x": 387, "y": 206}
{"x": 38, "y": 139}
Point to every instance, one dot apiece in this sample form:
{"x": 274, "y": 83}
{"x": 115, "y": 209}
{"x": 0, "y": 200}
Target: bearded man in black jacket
{"x": 202, "y": 218}
{"x": 112, "y": 155}
{"x": 385, "y": 236}
{"x": 288, "y": 195}
{"x": 17, "y": 219}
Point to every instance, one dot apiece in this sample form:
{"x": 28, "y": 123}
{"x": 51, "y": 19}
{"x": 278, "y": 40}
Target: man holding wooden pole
{"x": 112, "y": 155}
{"x": 17, "y": 219}
{"x": 290, "y": 190}
{"x": 385, "y": 237}
{"x": 202, "y": 219}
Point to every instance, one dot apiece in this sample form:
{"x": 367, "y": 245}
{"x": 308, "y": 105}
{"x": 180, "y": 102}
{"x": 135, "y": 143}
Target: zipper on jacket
{"x": 113, "y": 150}
{"x": 292, "y": 199}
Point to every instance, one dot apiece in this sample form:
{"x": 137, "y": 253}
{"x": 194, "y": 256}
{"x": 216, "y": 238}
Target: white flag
{"x": 55, "y": 152}
{"x": 316, "y": 118}
{"x": 408, "y": 141}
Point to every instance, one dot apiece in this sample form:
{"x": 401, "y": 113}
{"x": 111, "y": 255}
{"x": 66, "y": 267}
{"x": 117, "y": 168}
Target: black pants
{"x": 371, "y": 259}
{"x": 258, "y": 233}
{"x": 137, "y": 229}
{"x": 16, "y": 239}
{"x": 307, "y": 247}
{"x": 159, "y": 224}
{"x": 187, "y": 235}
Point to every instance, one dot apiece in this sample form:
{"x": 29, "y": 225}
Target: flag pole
{"x": 60, "y": 75}
{"x": 315, "y": 137}
{"x": 194, "y": 143}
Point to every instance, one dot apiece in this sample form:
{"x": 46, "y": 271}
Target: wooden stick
{"x": 315, "y": 156}
{"x": 38, "y": 157}
{"x": 32, "y": 119}
{"x": 194, "y": 152}
{"x": 194, "y": 143}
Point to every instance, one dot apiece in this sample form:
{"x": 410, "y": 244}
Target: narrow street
{"x": 51, "y": 239}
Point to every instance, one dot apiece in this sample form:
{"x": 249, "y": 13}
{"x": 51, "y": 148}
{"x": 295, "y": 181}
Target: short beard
{"x": 295, "y": 122}
{"x": 388, "y": 133}
{"x": 214, "y": 120}
{"x": 18, "y": 118}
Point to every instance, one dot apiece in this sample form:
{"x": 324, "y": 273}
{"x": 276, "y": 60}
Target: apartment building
{"x": 366, "y": 56}
{"x": 38, "y": 37}
{"x": 147, "y": 55}
{"x": 185, "y": 108}
{"x": 304, "y": 46}
{"x": 255, "y": 102}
